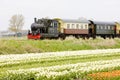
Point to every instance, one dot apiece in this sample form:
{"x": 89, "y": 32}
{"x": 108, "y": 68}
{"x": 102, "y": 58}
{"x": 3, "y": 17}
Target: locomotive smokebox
{"x": 35, "y": 20}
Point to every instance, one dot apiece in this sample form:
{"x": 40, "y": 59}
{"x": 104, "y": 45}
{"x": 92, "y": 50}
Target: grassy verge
{"x": 18, "y": 46}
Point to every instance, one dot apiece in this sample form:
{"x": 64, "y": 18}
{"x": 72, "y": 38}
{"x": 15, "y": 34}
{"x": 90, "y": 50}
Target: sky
{"x": 100, "y": 10}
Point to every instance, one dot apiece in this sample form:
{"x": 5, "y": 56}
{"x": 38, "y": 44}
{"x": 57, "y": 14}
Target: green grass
{"x": 19, "y": 46}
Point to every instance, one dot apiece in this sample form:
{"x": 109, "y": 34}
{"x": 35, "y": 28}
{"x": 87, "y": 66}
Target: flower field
{"x": 67, "y": 65}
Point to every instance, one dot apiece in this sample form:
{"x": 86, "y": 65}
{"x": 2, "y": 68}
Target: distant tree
{"x": 16, "y": 23}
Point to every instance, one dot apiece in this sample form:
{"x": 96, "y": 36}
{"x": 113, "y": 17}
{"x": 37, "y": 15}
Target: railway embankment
{"x": 20, "y": 46}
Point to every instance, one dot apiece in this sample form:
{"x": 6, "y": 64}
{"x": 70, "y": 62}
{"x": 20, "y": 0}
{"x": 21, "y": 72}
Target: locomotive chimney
{"x": 35, "y": 20}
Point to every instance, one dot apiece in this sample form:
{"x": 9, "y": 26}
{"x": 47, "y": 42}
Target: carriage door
{"x": 90, "y": 29}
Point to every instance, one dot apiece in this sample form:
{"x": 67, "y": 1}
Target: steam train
{"x": 61, "y": 28}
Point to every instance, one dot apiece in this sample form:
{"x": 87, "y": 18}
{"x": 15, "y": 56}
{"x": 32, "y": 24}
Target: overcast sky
{"x": 103, "y": 10}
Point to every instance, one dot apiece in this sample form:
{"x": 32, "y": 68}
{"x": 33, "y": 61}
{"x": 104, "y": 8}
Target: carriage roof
{"x": 75, "y": 21}
{"x": 103, "y": 23}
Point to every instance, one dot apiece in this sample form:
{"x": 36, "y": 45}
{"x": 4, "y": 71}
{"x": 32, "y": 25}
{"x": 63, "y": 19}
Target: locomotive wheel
{"x": 94, "y": 37}
{"x": 42, "y": 38}
{"x": 62, "y": 36}
{"x": 83, "y": 37}
{"x": 87, "y": 36}
{"x": 104, "y": 37}
{"x": 110, "y": 37}
{"x": 77, "y": 37}
{"x": 113, "y": 36}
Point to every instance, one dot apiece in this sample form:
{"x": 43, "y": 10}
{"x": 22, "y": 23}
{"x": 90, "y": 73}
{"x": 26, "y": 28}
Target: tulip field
{"x": 101, "y": 64}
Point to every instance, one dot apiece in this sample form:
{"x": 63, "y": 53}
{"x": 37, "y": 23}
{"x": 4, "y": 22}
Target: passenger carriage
{"x": 103, "y": 29}
{"x": 77, "y": 28}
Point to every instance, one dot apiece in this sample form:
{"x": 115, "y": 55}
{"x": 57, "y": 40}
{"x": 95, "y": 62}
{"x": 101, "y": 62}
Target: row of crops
{"x": 68, "y": 65}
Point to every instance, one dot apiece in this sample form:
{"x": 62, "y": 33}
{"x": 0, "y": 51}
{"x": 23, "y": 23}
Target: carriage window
{"x": 98, "y": 27}
{"x": 104, "y": 27}
{"x": 108, "y": 27}
{"x": 86, "y": 27}
{"x": 111, "y": 28}
{"x": 55, "y": 24}
{"x": 77, "y": 26}
{"x": 51, "y": 24}
{"x": 68, "y": 26}
{"x": 101, "y": 27}
{"x": 73, "y": 26}
{"x": 81, "y": 26}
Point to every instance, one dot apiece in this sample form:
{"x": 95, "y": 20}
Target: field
{"x": 67, "y": 65}
{"x": 23, "y": 45}
{"x": 70, "y": 59}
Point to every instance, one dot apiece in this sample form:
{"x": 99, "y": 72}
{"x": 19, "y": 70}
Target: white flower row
{"x": 74, "y": 68}
{"x": 13, "y": 57}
